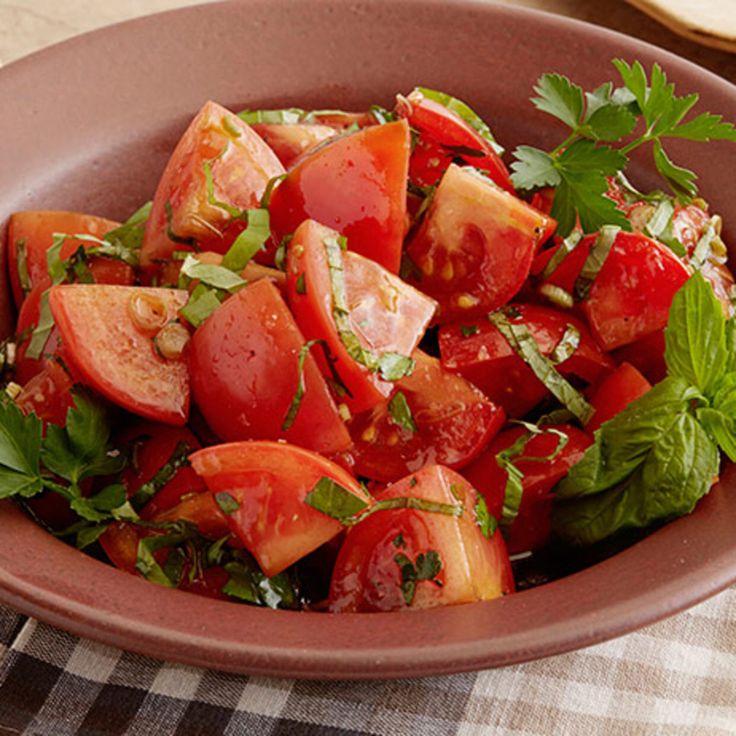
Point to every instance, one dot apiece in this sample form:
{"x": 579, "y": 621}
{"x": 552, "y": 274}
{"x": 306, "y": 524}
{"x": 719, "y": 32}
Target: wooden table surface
{"x": 27, "y": 25}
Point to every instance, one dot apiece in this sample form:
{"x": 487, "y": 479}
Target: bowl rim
{"x": 118, "y": 609}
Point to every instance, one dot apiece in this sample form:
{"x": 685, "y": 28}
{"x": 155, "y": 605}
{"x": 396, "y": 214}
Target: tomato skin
{"x": 646, "y": 355}
{"x": 474, "y": 248}
{"x": 107, "y": 352}
{"x": 367, "y": 577}
{"x": 270, "y": 480}
{"x": 36, "y": 228}
{"x": 240, "y": 177}
{"x": 356, "y": 185}
{"x": 243, "y": 363}
{"x": 386, "y": 314}
{"x": 614, "y": 393}
{"x": 630, "y": 297}
{"x": 487, "y": 360}
{"x": 532, "y": 527}
{"x": 290, "y": 141}
{"x": 454, "y": 420}
{"x": 439, "y": 128}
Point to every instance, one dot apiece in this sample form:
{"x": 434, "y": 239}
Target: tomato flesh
{"x": 386, "y": 314}
{"x": 244, "y": 367}
{"x": 110, "y": 353}
{"x": 290, "y": 141}
{"x": 532, "y": 527}
{"x": 474, "y": 248}
{"x": 356, "y": 185}
{"x": 31, "y": 234}
{"x": 241, "y": 165}
{"x": 368, "y": 577}
{"x": 444, "y": 137}
{"x": 269, "y": 481}
{"x": 480, "y": 353}
{"x": 454, "y": 422}
{"x": 615, "y": 392}
{"x": 48, "y": 394}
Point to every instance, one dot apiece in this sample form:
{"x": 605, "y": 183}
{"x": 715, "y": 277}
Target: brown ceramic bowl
{"x": 89, "y": 124}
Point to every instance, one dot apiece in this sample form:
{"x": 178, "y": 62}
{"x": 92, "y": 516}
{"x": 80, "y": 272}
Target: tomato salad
{"x": 352, "y": 362}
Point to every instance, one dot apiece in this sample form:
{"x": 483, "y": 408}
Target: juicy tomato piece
{"x": 200, "y": 509}
{"x": 31, "y": 234}
{"x": 48, "y": 394}
{"x": 241, "y": 165}
{"x": 443, "y": 138}
{"x": 474, "y": 247}
{"x": 646, "y": 355}
{"x": 480, "y": 353}
{"x": 120, "y": 543}
{"x": 30, "y": 312}
{"x": 370, "y": 573}
{"x": 532, "y": 527}
{"x": 290, "y": 140}
{"x": 453, "y": 420}
{"x": 355, "y": 184}
{"x": 209, "y": 584}
{"x": 154, "y": 446}
{"x": 108, "y": 335}
{"x": 385, "y": 314}
{"x": 269, "y": 481}
{"x": 631, "y": 295}
{"x": 615, "y": 392}
{"x": 244, "y": 366}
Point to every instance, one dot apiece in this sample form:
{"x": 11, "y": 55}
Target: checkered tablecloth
{"x": 676, "y": 677}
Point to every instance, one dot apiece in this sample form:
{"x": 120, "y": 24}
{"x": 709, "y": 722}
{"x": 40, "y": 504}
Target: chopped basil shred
{"x": 469, "y": 330}
{"x": 567, "y": 246}
{"x": 227, "y": 503}
{"x": 301, "y": 388}
{"x": 522, "y": 341}
{"x": 659, "y": 227}
{"x": 179, "y": 458}
{"x": 390, "y": 366}
{"x": 486, "y": 522}
{"x": 597, "y": 256}
{"x": 400, "y": 412}
{"x": 249, "y": 241}
{"x": 566, "y": 347}
{"x": 22, "y": 261}
{"x": 704, "y": 246}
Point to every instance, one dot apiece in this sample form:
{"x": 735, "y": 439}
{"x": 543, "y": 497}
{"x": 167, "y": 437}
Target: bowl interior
{"x": 89, "y": 126}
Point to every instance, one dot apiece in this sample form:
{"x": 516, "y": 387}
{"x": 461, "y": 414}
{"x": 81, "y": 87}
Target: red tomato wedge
{"x": 112, "y": 353}
{"x": 474, "y": 248}
{"x": 290, "y": 140}
{"x": 453, "y": 421}
{"x": 532, "y": 527}
{"x": 200, "y": 509}
{"x": 244, "y": 366}
{"x": 30, "y": 311}
{"x": 369, "y": 572}
{"x": 646, "y": 355}
{"x": 615, "y": 392}
{"x": 443, "y": 138}
{"x": 631, "y": 295}
{"x": 31, "y": 234}
{"x": 48, "y": 394}
{"x": 269, "y": 481}
{"x": 478, "y": 351}
{"x": 355, "y": 184}
{"x": 154, "y": 446}
{"x": 241, "y": 165}
{"x": 385, "y": 315}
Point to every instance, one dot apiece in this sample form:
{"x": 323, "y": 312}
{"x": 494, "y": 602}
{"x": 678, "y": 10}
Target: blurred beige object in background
{"x": 710, "y": 22}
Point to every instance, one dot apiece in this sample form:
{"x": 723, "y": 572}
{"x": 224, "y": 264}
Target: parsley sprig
{"x": 642, "y": 111}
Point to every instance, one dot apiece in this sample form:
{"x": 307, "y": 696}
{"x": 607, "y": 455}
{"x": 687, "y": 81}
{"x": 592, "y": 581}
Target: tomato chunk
{"x": 30, "y": 312}
{"x": 48, "y": 394}
{"x": 269, "y": 481}
{"x": 478, "y": 351}
{"x": 290, "y": 140}
{"x": 475, "y": 246}
{"x": 532, "y": 527}
{"x": 357, "y": 185}
{"x": 646, "y": 355}
{"x": 631, "y": 295}
{"x": 444, "y": 137}
{"x": 31, "y": 234}
{"x": 453, "y": 421}
{"x": 244, "y": 365}
{"x": 381, "y": 554}
{"x": 113, "y": 352}
{"x": 615, "y": 392}
{"x": 241, "y": 165}
{"x": 386, "y": 315}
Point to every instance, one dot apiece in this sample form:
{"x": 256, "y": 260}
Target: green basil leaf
{"x": 400, "y": 412}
